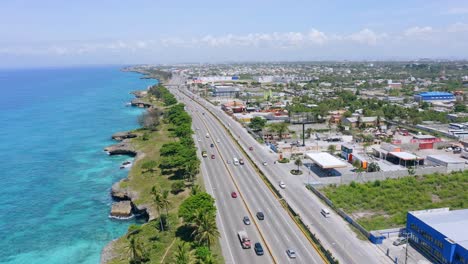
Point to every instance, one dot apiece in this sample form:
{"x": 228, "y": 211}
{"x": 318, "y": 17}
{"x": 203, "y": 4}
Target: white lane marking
{"x": 219, "y": 214}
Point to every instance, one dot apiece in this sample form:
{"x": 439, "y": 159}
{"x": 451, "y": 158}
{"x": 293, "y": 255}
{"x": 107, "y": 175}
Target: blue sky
{"x": 54, "y": 33}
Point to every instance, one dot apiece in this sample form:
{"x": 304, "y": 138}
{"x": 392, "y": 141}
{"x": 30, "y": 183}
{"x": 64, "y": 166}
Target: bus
{"x": 457, "y": 126}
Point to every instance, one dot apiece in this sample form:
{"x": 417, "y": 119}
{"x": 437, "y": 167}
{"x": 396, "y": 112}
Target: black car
{"x": 212, "y": 145}
{"x": 258, "y": 249}
{"x": 260, "y": 216}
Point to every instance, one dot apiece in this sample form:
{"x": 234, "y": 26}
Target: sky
{"x": 97, "y": 32}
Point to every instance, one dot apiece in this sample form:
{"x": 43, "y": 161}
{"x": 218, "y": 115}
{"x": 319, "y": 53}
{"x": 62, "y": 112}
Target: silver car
{"x": 291, "y": 253}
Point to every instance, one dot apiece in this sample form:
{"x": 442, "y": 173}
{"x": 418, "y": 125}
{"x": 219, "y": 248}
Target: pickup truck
{"x": 244, "y": 239}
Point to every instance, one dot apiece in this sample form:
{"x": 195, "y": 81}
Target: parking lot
{"x": 402, "y": 253}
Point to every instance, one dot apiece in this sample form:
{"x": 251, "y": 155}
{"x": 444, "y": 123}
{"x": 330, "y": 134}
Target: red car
{"x": 212, "y": 156}
{"x": 234, "y": 195}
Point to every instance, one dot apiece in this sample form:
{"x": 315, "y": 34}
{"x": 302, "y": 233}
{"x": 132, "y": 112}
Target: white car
{"x": 217, "y": 141}
{"x": 264, "y": 163}
{"x": 282, "y": 185}
{"x": 199, "y": 140}
{"x": 291, "y": 253}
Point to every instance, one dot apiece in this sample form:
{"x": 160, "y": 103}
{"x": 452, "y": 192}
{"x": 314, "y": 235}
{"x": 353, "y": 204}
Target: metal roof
{"x": 451, "y": 224}
{"x": 446, "y": 158}
{"x": 405, "y": 155}
{"x": 325, "y": 160}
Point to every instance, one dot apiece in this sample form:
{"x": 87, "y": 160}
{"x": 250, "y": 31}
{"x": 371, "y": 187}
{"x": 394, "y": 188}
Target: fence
{"x": 339, "y": 211}
{"x": 382, "y": 175}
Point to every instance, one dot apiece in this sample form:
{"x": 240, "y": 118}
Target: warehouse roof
{"x": 405, "y": 156}
{"x": 435, "y": 94}
{"x": 423, "y": 137}
{"x": 446, "y": 158}
{"x": 325, "y": 160}
{"x": 452, "y": 224}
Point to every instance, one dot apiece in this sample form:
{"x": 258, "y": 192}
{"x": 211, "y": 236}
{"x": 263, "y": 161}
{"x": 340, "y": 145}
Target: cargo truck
{"x": 244, "y": 239}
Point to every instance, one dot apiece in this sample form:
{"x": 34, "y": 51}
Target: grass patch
{"x": 387, "y": 202}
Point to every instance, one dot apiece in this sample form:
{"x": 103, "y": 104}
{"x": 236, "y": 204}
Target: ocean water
{"x": 55, "y": 178}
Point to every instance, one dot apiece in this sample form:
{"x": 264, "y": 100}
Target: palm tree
{"x": 165, "y": 201}
{"x": 298, "y": 163}
{"x": 158, "y": 202}
{"x": 135, "y": 250}
{"x": 196, "y": 189}
{"x": 182, "y": 255}
{"x": 206, "y": 231}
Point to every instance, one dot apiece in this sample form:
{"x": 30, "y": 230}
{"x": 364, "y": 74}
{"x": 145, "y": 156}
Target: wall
{"x": 381, "y": 175}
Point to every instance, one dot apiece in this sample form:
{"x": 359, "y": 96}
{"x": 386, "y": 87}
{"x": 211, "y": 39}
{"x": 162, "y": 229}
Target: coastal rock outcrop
{"x": 140, "y": 103}
{"x": 122, "y": 148}
{"x": 139, "y": 94}
{"x": 119, "y": 136}
{"x": 121, "y": 209}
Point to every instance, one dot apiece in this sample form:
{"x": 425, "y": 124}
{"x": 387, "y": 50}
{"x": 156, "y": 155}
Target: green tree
{"x": 158, "y": 203}
{"x": 136, "y": 252}
{"x": 201, "y": 201}
{"x": 257, "y": 123}
{"x": 204, "y": 255}
{"x": 196, "y": 189}
{"x": 182, "y": 255}
{"x": 177, "y": 187}
{"x": 279, "y": 128}
{"x": 460, "y": 107}
{"x": 298, "y": 163}
{"x": 206, "y": 231}
{"x": 331, "y": 149}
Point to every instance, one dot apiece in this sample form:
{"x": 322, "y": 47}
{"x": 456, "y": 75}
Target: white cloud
{"x": 418, "y": 31}
{"x": 366, "y": 36}
{"x": 457, "y": 27}
{"x": 457, "y": 11}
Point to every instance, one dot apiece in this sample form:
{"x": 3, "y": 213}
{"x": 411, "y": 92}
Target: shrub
{"x": 177, "y": 187}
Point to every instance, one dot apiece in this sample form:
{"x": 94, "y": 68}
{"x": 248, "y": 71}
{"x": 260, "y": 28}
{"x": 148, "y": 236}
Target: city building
{"x": 440, "y": 234}
{"x": 224, "y": 90}
{"x": 425, "y": 141}
{"x": 451, "y": 163}
{"x": 434, "y": 96}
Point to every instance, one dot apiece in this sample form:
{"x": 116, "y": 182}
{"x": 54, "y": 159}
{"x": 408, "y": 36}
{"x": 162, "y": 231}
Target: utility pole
{"x": 407, "y": 245}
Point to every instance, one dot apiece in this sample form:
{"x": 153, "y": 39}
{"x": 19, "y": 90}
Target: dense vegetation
{"x": 161, "y": 93}
{"x": 166, "y": 181}
{"x": 384, "y": 204}
{"x": 371, "y": 107}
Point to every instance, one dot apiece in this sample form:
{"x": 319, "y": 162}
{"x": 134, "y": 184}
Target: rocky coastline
{"x": 124, "y": 206}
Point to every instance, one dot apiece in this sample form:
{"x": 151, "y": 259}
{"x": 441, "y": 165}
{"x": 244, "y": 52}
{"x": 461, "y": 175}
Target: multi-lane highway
{"x": 277, "y": 232}
{"x": 334, "y": 232}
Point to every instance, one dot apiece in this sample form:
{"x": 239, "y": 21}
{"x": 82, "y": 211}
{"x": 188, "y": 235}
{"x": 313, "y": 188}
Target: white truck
{"x": 244, "y": 239}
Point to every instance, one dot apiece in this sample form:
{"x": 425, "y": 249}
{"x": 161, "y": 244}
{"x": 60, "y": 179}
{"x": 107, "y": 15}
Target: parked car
{"x": 399, "y": 241}
{"x": 234, "y": 195}
{"x": 258, "y": 248}
{"x": 260, "y": 216}
{"x": 246, "y": 220}
{"x": 291, "y": 253}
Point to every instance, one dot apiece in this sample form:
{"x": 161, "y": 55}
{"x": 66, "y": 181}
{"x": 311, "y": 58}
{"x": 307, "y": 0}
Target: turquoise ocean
{"x": 55, "y": 177}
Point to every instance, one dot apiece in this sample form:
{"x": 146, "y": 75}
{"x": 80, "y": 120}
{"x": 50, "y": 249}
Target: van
{"x": 325, "y": 212}
{"x": 235, "y": 161}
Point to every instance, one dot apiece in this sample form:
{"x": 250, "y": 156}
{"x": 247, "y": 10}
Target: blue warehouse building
{"x": 440, "y": 234}
{"x": 434, "y": 96}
